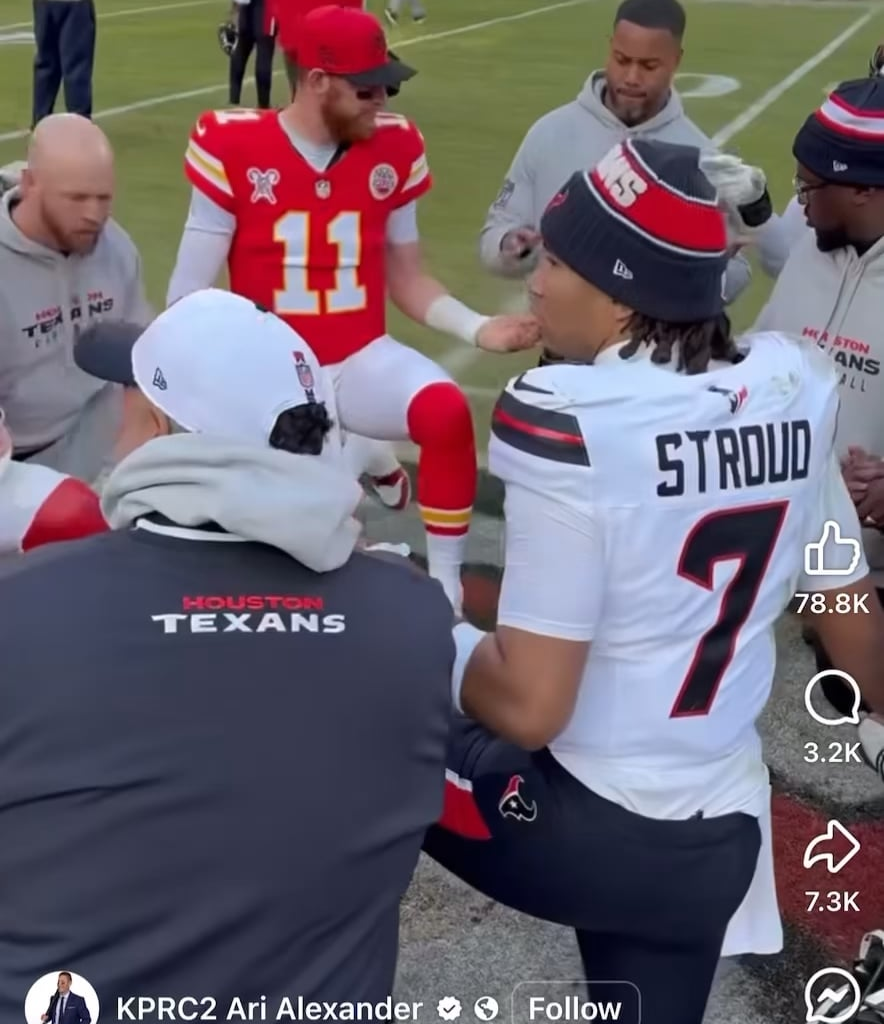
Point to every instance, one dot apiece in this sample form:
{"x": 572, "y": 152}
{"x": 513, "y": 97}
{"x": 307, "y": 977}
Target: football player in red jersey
{"x": 314, "y": 208}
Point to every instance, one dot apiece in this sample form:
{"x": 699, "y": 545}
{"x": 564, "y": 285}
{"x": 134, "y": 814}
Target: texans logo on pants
{"x": 514, "y": 805}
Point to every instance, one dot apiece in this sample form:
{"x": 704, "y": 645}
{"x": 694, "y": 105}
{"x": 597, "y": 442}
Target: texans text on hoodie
{"x": 46, "y": 297}
{"x": 833, "y": 300}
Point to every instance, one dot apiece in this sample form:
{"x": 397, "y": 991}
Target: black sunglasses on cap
{"x": 391, "y": 90}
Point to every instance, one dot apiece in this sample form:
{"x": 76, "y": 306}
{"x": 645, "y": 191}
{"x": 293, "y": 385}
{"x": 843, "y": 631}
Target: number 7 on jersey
{"x": 748, "y": 536}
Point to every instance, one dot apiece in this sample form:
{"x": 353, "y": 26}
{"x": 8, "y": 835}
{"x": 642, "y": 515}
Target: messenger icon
{"x": 838, "y": 719}
{"x": 832, "y": 996}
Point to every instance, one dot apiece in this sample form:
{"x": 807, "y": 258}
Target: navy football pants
{"x": 650, "y": 900}
{"x": 64, "y": 31}
{"x": 251, "y": 35}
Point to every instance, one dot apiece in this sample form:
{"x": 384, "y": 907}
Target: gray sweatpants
{"x": 86, "y": 451}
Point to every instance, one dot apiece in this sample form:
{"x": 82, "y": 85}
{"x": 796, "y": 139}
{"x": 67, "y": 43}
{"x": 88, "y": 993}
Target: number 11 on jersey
{"x": 294, "y": 232}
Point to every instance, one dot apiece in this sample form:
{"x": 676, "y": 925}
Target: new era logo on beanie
{"x": 842, "y": 141}
{"x": 644, "y": 227}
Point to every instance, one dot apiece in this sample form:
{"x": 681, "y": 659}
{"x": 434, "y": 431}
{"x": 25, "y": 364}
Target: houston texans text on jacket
{"x": 251, "y": 613}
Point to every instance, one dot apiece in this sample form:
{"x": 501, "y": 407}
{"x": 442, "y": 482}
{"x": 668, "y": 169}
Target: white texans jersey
{"x": 663, "y": 517}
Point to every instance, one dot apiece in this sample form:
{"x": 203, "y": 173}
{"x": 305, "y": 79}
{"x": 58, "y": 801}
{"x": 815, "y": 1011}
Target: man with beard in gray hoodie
{"x": 256, "y": 713}
{"x": 65, "y": 263}
{"x": 632, "y": 96}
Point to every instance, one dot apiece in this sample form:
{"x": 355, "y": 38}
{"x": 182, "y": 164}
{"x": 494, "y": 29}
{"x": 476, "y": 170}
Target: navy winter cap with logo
{"x": 645, "y": 228}
{"x": 843, "y": 141}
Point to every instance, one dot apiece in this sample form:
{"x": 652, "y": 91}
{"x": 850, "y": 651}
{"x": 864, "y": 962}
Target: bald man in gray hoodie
{"x": 64, "y": 264}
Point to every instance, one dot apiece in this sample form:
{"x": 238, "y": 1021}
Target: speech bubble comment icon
{"x": 834, "y": 717}
{"x": 832, "y": 996}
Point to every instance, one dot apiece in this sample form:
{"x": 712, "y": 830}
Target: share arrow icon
{"x": 837, "y": 857}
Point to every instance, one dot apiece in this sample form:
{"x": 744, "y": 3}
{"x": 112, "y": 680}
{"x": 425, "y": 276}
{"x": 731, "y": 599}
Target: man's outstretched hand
{"x": 509, "y": 333}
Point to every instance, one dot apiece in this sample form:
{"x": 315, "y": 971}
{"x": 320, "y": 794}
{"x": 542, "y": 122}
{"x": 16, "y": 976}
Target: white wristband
{"x": 453, "y": 317}
{"x": 466, "y": 639}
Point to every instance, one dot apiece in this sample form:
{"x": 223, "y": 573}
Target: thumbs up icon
{"x": 832, "y": 554}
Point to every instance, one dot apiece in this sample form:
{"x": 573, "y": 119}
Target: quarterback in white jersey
{"x": 661, "y": 487}
{"x": 688, "y": 499}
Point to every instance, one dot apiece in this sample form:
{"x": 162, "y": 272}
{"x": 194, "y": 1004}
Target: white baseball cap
{"x": 214, "y": 362}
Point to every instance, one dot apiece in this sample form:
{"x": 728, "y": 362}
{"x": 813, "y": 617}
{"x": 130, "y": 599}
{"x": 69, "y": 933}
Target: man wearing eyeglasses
{"x": 831, "y": 290}
{"x": 780, "y": 234}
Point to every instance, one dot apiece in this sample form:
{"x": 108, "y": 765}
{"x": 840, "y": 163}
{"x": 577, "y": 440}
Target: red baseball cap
{"x": 344, "y": 41}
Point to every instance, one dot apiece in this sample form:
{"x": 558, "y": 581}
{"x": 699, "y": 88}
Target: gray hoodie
{"x": 301, "y": 504}
{"x": 45, "y": 299}
{"x": 834, "y": 299}
{"x": 577, "y": 135}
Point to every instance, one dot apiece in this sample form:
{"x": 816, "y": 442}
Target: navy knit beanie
{"x": 843, "y": 141}
{"x": 644, "y": 227}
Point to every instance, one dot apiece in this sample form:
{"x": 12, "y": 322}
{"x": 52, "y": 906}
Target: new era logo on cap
{"x": 838, "y": 166}
{"x": 159, "y": 381}
{"x": 621, "y": 270}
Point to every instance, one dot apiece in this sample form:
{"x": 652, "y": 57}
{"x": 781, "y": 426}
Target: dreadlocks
{"x": 698, "y": 343}
{"x": 302, "y": 430}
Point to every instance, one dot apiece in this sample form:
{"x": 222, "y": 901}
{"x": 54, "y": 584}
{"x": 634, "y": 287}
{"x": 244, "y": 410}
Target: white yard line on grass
{"x": 756, "y": 109}
{"x": 188, "y": 94}
{"x": 104, "y": 15}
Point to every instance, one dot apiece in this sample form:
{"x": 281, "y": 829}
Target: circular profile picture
{"x": 61, "y": 997}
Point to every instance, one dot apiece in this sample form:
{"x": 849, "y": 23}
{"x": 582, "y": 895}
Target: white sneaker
{"x": 393, "y": 491}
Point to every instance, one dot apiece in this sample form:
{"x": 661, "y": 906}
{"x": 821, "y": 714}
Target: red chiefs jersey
{"x": 40, "y": 506}
{"x": 309, "y": 245}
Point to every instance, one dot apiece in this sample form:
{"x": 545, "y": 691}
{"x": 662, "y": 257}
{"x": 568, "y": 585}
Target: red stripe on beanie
{"x": 672, "y": 220}
{"x": 852, "y": 122}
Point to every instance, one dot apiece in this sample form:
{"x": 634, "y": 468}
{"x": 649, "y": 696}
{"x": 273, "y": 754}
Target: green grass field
{"x": 488, "y": 69}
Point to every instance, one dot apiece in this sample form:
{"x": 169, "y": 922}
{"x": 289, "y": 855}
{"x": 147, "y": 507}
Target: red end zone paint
{"x": 795, "y": 824}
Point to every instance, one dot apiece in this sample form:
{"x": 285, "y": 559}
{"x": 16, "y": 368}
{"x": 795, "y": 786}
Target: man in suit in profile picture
{"x": 66, "y": 1007}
